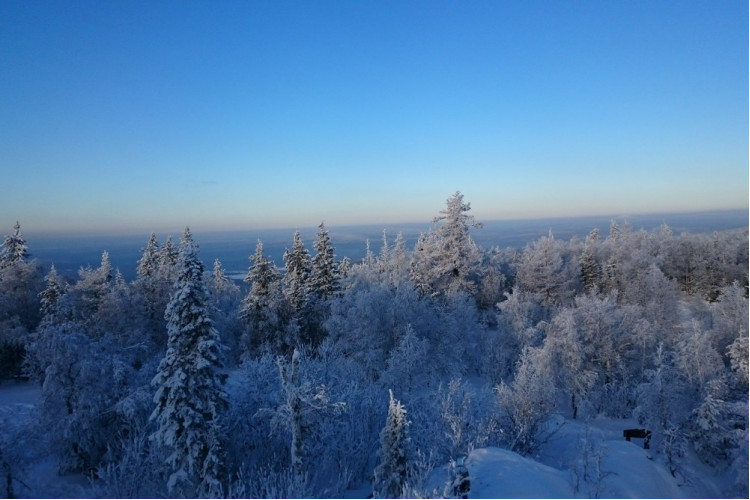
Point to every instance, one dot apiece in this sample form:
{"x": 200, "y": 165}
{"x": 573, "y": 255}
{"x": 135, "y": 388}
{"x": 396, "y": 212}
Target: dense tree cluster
{"x": 312, "y": 369}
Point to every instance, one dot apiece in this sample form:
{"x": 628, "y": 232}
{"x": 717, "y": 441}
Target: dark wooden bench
{"x": 638, "y": 433}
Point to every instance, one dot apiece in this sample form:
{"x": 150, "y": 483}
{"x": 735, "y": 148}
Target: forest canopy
{"x": 314, "y": 378}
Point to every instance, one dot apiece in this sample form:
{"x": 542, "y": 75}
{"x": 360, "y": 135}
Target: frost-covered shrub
{"x": 739, "y": 455}
{"x": 302, "y": 409}
{"x": 82, "y": 386}
{"x": 548, "y": 272}
{"x": 738, "y": 358}
{"x": 405, "y": 367}
{"x": 711, "y": 437}
{"x": 138, "y": 471}
{"x": 346, "y": 443}
{"x": 497, "y": 355}
{"x": 526, "y": 402}
{"x": 268, "y": 482}
{"x": 696, "y": 358}
{"x": 253, "y": 385}
{"x": 588, "y": 470}
{"x": 467, "y": 418}
{"x": 664, "y": 403}
{"x": 365, "y": 323}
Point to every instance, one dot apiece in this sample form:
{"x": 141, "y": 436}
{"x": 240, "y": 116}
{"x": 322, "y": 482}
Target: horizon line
{"x": 132, "y": 232}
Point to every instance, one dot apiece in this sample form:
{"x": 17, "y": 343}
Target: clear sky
{"x": 150, "y": 115}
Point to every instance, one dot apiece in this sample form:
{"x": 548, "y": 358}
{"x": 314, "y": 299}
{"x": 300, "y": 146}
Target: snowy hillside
{"x": 498, "y": 473}
{"x": 584, "y": 460}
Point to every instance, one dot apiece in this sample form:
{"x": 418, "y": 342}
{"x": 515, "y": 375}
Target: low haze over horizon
{"x": 140, "y": 116}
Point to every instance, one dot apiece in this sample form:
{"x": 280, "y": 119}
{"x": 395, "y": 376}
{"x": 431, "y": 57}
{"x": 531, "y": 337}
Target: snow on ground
{"x": 17, "y": 400}
{"x": 626, "y": 469}
{"x": 35, "y": 475}
{"x": 14, "y": 393}
{"x": 498, "y": 473}
{"x": 585, "y": 460}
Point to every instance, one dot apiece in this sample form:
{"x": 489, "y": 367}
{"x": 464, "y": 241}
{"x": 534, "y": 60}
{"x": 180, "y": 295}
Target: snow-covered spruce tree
{"x": 392, "y": 473}
{"x": 296, "y": 288}
{"x": 20, "y": 283}
{"x": 148, "y": 264}
{"x": 147, "y": 281}
{"x": 263, "y": 309}
{"x": 324, "y": 284}
{"x": 397, "y": 266}
{"x": 446, "y": 259}
{"x": 296, "y": 280}
{"x": 366, "y": 272}
{"x": 39, "y": 352}
{"x": 384, "y": 256}
{"x": 324, "y": 279}
{"x": 189, "y": 398}
{"x": 220, "y": 284}
{"x": 225, "y": 294}
{"x": 14, "y": 248}
{"x": 610, "y": 275}
{"x": 418, "y": 268}
{"x": 225, "y": 300}
{"x": 590, "y": 272}
{"x": 391, "y": 267}
{"x": 345, "y": 268}
{"x": 55, "y": 288}
{"x": 168, "y": 257}
{"x": 85, "y": 297}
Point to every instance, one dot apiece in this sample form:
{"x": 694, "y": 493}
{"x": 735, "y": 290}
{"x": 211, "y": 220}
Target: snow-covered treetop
{"x": 324, "y": 276}
{"x": 148, "y": 265}
{"x": 189, "y": 266}
{"x": 262, "y": 274}
{"x": 14, "y": 247}
{"x": 455, "y": 213}
{"x": 445, "y": 258}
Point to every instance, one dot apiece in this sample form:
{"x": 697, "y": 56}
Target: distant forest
{"x": 183, "y": 383}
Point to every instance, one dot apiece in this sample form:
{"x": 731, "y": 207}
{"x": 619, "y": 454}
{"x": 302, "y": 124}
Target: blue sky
{"x": 142, "y": 115}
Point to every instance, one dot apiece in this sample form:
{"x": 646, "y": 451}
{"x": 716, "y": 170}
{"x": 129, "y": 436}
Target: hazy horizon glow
{"x": 140, "y": 116}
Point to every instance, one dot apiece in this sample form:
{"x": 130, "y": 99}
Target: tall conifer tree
{"x": 189, "y": 399}
{"x": 14, "y": 248}
{"x": 324, "y": 278}
{"x": 297, "y": 276}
